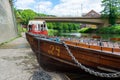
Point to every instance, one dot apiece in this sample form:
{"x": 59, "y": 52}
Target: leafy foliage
{"x": 63, "y": 27}
{"x": 52, "y": 32}
{"x": 25, "y": 15}
{"x": 86, "y": 30}
{"x": 111, "y": 10}
{"x": 110, "y": 30}
{"x": 55, "y": 28}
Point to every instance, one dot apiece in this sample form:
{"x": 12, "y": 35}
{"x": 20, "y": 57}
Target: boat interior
{"x": 95, "y": 42}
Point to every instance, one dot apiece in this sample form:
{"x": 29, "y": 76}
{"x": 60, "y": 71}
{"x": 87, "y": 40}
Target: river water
{"x": 103, "y": 36}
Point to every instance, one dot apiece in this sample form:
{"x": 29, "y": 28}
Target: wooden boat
{"x": 77, "y": 57}
{"x": 37, "y": 27}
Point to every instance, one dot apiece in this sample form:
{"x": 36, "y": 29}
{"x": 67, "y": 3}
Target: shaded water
{"x": 78, "y": 35}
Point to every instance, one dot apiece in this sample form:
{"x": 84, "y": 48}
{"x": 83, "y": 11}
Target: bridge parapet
{"x": 87, "y": 20}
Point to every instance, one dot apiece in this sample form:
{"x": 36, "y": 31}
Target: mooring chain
{"x": 40, "y": 75}
{"x": 96, "y": 73}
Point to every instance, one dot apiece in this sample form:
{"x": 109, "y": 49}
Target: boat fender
{"x": 55, "y": 39}
{"x": 51, "y": 39}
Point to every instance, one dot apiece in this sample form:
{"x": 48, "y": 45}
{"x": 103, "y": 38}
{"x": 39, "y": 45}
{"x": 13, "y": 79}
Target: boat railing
{"x": 92, "y": 44}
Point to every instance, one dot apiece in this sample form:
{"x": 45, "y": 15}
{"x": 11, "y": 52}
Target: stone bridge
{"x": 96, "y": 20}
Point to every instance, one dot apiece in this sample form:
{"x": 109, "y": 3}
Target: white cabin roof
{"x": 36, "y": 22}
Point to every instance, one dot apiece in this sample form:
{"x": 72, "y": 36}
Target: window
{"x": 39, "y": 28}
{"x": 29, "y": 27}
{"x": 42, "y": 27}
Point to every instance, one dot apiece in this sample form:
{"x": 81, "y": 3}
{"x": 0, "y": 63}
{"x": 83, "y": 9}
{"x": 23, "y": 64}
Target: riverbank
{"x": 18, "y": 62}
{"x": 115, "y": 29}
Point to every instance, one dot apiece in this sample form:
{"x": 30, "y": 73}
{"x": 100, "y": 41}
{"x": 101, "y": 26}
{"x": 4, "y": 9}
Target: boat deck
{"x": 96, "y": 44}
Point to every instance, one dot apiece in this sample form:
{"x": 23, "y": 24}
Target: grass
{"x": 9, "y": 40}
{"x": 103, "y": 30}
{"x": 86, "y": 30}
{"x": 109, "y": 30}
{"x": 21, "y": 29}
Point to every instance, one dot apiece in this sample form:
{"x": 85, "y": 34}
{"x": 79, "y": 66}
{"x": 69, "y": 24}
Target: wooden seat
{"x": 107, "y": 49}
{"x": 71, "y": 43}
{"x": 95, "y": 47}
{"x": 116, "y": 49}
{"x": 82, "y": 45}
{"x": 96, "y": 37}
{"x": 84, "y": 36}
{"x": 114, "y": 39}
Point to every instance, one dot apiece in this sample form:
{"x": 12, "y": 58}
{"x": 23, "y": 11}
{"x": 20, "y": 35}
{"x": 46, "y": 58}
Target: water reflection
{"x": 78, "y": 35}
{"x": 71, "y": 34}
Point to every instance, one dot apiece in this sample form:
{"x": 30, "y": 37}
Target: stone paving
{"x": 18, "y": 62}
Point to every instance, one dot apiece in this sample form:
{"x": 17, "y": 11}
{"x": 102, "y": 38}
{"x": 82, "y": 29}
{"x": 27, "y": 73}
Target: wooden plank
{"x": 114, "y": 39}
{"x": 107, "y": 49}
{"x": 97, "y": 37}
{"x": 82, "y": 45}
{"x": 116, "y": 49}
{"x": 95, "y": 47}
{"x": 71, "y": 43}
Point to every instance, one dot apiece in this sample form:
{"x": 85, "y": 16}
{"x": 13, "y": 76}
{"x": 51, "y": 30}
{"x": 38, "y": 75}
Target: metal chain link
{"x": 90, "y": 71}
{"x": 40, "y": 75}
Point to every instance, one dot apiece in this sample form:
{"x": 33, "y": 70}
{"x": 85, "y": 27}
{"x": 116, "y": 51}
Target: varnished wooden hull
{"x": 53, "y": 55}
{"x": 51, "y": 63}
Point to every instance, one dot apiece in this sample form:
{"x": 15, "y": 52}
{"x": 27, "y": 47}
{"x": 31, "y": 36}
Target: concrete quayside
{"x": 18, "y": 62}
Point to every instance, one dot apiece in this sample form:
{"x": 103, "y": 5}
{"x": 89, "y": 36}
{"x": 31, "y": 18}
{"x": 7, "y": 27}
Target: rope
{"x": 90, "y": 71}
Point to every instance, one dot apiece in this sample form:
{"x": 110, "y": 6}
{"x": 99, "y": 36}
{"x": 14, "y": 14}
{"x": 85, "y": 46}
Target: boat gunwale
{"x": 91, "y": 50}
{"x": 38, "y": 37}
{"x": 99, "y": 55}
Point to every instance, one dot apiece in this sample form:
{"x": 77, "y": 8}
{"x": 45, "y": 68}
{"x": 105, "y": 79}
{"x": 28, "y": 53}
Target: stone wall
{"x": 8, "y": 30}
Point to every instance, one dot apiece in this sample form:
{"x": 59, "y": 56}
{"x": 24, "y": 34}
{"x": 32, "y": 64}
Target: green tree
{"x": 111, "y": 10}
{"x": 50, "y": 25}
{"x": 65, "y": 26}
{"x": 26, "y": 15}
